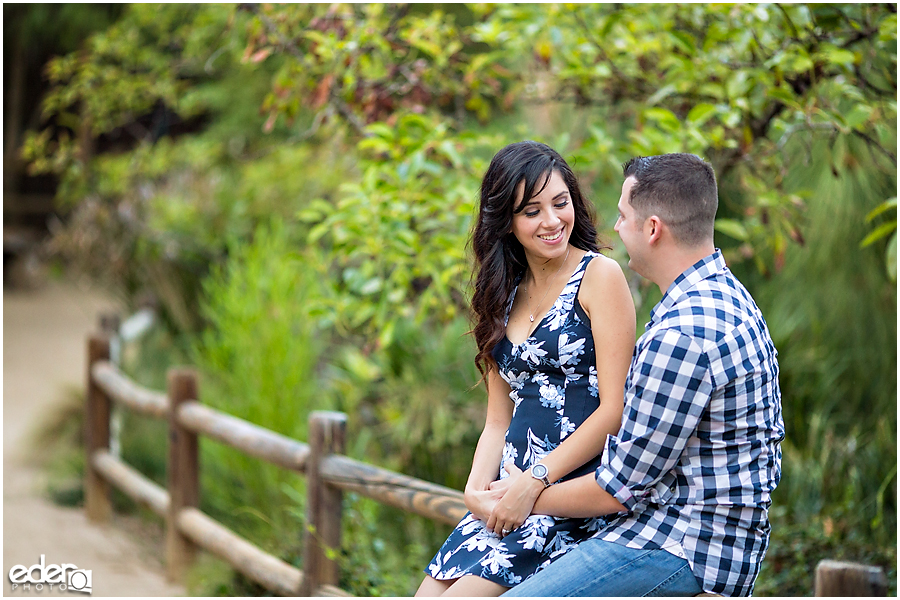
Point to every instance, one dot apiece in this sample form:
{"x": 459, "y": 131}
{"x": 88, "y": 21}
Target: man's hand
{"x": 519, "y": 493}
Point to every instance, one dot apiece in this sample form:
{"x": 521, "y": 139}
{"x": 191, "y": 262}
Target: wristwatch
{"x": 539, "y": 472}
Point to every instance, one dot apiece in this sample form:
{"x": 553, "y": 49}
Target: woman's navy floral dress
{"x": 553, "y": 376}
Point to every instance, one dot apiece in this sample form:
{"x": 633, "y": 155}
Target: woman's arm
{"x": 580, "y": 498}
{"x": 479, "y": 498}
{"x": 606, "y": 299}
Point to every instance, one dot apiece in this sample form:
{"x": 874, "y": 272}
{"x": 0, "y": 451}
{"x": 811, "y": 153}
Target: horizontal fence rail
{"x": 270, "y": 572}
{"x": 328, "y": 471}
{"x": 251, "y": 439}
{"x": 129, "y": 481}
{"x": 129, "y": 394}
{"x": 401, "y": 491}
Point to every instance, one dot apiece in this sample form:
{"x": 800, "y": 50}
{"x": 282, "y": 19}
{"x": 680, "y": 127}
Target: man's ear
{"x": 654, "y": 227}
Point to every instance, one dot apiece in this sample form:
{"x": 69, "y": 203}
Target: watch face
{"x": 539, "y": 471}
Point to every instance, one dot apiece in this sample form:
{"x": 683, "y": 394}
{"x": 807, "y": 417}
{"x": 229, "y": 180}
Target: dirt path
{"x": 44, "y": 339}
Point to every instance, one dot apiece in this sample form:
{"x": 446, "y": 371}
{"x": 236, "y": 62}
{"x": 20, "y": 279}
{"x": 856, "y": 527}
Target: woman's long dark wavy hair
{"x": 499, "y": 257}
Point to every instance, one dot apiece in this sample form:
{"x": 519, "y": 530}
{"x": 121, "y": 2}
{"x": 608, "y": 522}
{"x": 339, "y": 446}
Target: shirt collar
{"x": 696, "y": 273}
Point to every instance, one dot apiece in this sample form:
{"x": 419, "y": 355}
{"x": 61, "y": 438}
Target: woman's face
{"x": 544, "y": 226}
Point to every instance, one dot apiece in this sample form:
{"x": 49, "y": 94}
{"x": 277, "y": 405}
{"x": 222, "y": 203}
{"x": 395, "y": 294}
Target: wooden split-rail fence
{"x": 328, "y": 475}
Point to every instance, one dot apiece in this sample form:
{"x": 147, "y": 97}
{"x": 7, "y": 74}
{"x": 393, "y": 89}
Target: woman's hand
{"x": 519, "y": 493}
{"x": 481, "y": 502}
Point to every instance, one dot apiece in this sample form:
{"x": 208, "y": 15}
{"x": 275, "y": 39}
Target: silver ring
{"x": 505, "y": 531}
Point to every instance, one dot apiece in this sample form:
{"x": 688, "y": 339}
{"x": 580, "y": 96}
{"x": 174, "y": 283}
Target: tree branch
{"x": 351, "y": 118}
{"x": 589, "y": 34}
{"x": 787, "y": 18}
{"x": 874, "y": 143}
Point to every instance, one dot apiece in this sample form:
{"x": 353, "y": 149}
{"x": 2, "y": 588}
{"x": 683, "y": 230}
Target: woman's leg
{"x": 474, "y": 586}
{"x": 431, "y": 587}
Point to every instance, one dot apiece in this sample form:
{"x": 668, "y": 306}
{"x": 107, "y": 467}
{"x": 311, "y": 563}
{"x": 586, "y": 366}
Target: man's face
{"x": 630, "y": 228}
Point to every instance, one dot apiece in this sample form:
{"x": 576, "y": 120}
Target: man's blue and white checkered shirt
{"x": 699, "y": 453}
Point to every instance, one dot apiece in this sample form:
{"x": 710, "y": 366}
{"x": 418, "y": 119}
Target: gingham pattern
{"x": 699, "y": 453}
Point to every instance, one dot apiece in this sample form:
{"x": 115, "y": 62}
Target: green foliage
{"x": 365, "y": 62}
{"x": 153, "y": 216}
{"x": 418, "y": 408}
{"x": 396, "y": 237}
{"x": 887, "y": 229}
{"x": 385, "y": 551}
{"x": 260, "y": 348}
{"x": 734, "y": 83}
{"x": 795, "y": 548}
{"x": 832, "y": 314}
{"x": 258, "y": 356}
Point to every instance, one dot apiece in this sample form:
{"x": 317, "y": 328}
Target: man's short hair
{"x": 678, "y": 188}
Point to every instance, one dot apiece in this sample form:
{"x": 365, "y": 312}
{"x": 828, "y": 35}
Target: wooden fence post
{"x": 845, "y": 579}
{"x": 110, "y": 323}
{"x": 183, "y": 473}
{"x": 327, "y": 435}
{"x": 97, "y": 501}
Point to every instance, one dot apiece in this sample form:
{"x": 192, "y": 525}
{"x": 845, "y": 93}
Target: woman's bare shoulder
{"x": 603, "y": 270}
{"x": 604, "y": 286}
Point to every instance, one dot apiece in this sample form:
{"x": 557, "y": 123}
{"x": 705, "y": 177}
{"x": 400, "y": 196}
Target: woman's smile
{"x": 552, "y": 237}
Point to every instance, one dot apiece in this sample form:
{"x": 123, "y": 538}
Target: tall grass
{"x": 258, "y": 356}
{"x": 832, "y": 313}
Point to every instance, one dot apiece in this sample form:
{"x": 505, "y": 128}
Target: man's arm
{"x": 668, "y": 392}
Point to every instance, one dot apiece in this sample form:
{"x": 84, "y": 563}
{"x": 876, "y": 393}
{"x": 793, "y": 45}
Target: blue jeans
{"x": 600, "y": 568}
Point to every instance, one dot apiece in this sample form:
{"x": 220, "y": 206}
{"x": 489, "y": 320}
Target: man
{"x": 686, "y": 482}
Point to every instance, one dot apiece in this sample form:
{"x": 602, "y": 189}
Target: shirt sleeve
{"x": 668, "y": 389}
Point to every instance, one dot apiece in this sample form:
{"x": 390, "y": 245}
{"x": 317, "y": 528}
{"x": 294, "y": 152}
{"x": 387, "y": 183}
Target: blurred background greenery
{"x": 293, "y": 186}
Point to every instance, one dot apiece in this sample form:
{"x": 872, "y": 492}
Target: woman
{"x": 544, "y": 300}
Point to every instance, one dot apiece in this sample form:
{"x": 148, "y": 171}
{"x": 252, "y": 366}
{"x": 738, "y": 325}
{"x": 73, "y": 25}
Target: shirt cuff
{"x": 607, "y": 480}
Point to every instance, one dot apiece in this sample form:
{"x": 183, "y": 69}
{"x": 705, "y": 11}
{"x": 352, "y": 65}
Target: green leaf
{"x": 891, "y": 258}
{"x": 859, "y": 115}
{"x": 881, "y": 208}
{"x": 371, "y": 286}
{"x": 665, "y": 117}
{"x": 663, "y": 92}
{"x": 701, "y": 113}
{"x": 316, "y": 233}
{"x": 732, "y": 228}
{"x": 840, "y": 56}
{"x": 449, "y": 150}
{"x": 883, "y": 230}
{"x": 381, "y": 130}
{"x": 786, "y": 97}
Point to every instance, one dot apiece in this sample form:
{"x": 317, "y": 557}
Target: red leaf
{"x": 320, "y": 96}
{"x": 261, "y": 55}
{"x": 270, "y": 122}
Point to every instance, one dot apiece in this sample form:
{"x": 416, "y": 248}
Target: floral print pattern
{"x": 553, "y": 386}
